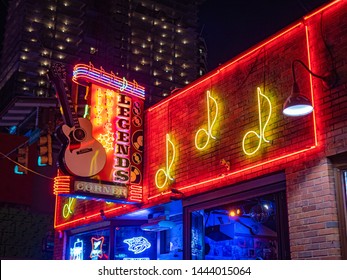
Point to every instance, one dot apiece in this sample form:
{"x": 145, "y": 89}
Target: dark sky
{"x": 232, "y": 26}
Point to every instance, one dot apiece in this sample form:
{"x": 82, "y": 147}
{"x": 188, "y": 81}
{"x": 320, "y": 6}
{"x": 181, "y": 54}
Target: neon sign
{"x": 76, "y": 253}
{"x": 167, "y": 171}
{"x": 90, "y": 74}
{"x": 96, "y": 247}
{"x": 121, "y": 165}
{"x": 261, "y": 135}
{"x": 207, "y": 134}
{"x": 107, "y": 138}
{"x": 137, "y": 244}
{"x": 68, "y": 207}
{"x": 102, "y": 189}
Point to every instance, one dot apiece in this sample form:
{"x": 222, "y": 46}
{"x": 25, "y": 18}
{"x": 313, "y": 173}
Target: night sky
{"x": 232, "y": 26}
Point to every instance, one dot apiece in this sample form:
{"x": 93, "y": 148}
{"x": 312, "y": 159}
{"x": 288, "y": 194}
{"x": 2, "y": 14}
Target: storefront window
{"x": 132, "y": 243}
{"x": 242, "y": 230}
{"x": 92, "y": 245}
{"x": 171, "y": 241}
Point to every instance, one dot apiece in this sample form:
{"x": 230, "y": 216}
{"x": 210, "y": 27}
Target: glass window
{"x": 92, "y": 245}
{"x": 242, "y": 230}
{"x": 132, "y": 243}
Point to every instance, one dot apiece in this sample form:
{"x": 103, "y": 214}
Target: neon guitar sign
{"x": 82, "y": 155}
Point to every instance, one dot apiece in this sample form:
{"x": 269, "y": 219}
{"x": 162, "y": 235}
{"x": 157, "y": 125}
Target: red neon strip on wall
{"x": 321, "y": 9}
{"x": 235, "y": 172}
{"x": 89, "y": 217}
{"x": 223, "y": 67}
{"x": 311, "y": 86}
{"x": 274, "y": 159}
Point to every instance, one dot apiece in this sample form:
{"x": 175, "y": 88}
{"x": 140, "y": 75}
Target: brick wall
{"x": 311, "y": 193}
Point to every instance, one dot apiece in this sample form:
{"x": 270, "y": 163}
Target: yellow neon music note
{"x": 261, "y": 135}
{"x": 67, "y": 209}
{"x": 210, "y": 124}
{"x": 166, "y": 172}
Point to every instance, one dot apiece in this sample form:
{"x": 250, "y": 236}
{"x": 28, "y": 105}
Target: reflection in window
{"x": 240, "y": 231}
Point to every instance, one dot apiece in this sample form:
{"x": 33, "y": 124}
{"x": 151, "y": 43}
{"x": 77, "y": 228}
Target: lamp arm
{"x": 304, "y": 65}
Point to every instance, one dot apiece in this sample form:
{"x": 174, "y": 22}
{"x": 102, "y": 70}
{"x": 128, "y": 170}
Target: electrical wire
{"x": 26, "y": 168}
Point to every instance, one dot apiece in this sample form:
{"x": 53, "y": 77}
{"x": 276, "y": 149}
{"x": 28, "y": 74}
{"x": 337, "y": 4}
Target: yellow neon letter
{"x": 210, "y": 124}
{"x": 261, "y": 135}
{"x": 168, "y": 166}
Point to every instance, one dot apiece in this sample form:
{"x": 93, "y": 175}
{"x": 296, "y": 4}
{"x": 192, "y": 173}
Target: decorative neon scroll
{"x": 137, "y": 244}
{"x": 261, "y": 135}
{"x": 210, "y": 124}
{"x": 168, "y": 166}
{"x": 88, "y": 73}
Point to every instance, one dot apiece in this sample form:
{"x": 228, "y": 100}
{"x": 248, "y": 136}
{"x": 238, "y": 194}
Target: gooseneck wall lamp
{"x": 298, "y": 104}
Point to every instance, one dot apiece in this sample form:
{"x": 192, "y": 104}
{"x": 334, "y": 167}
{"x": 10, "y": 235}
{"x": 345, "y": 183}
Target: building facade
{"x": 146, "y": 42}
{"x": 142, "y": 40}
{"x": 226, "y": 174}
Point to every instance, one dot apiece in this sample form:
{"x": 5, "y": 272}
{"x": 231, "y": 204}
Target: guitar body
{"x": 81, "y": 155}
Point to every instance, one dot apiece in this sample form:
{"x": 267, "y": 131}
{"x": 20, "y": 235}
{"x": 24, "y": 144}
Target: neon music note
{"x": 68, "y": 207}
{"x": 166, "y": 172}
{"x": 261, "y": 135}
{"x": 113, "y": 77}
{"x": 135, "y": 85}
{"x": 124, "y": 85}
{"x": 210, "y": 124}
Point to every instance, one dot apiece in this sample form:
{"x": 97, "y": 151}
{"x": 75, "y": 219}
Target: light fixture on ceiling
{"x": 298, "y": 104}
{"x": 158, "y": 223}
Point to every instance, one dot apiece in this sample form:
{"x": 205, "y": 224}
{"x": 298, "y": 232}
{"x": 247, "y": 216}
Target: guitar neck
{"x": 62, "y": 89}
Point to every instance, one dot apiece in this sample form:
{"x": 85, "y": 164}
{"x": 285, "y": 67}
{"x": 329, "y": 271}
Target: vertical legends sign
{"x": 117, "y": 119}
{"x": 121, "y": 165}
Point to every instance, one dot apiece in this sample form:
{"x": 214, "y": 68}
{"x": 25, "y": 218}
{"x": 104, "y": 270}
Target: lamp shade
{"x": 297, "y": 104}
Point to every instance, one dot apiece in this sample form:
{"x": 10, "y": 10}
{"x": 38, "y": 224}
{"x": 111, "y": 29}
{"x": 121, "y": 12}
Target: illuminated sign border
{"x": 218, "y": 71}
{"x": 88, "y": 73}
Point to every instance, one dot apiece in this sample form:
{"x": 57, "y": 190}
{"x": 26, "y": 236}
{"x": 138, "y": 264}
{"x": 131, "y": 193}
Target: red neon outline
{"x": 96, "y": 215}
{"x": 274, "y": 159}
{"x": 255, "y": 48}
{"x": 321, "y": 9}
{"x": 235, "y": 172}
{"x": 223, "y": 67}
{"x": 196, "y": 83}
{"x": 311, "y": 86}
